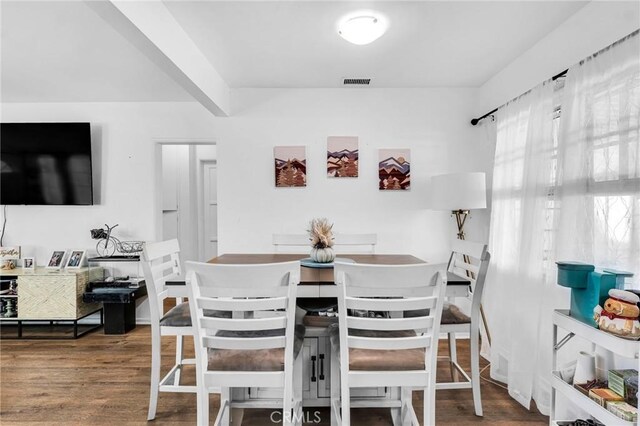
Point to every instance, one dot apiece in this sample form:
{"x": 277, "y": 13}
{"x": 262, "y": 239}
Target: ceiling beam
{"x": 150, "y": 27}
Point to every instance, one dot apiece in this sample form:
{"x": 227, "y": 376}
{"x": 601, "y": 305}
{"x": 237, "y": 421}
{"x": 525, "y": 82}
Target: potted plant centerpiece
{"x": 321, "y": 236}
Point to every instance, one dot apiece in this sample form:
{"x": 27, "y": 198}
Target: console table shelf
{"x": 52, "y": 296}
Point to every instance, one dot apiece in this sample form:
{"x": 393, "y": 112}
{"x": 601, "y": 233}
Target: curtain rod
{"x": 562, "y": 74}
{"x": 475, "y": 121}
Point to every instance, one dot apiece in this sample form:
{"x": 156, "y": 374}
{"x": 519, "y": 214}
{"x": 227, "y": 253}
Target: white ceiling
{"x": 429, "y": 43}
{"x": 63, "y": 51}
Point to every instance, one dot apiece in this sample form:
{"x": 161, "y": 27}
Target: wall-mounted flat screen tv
{"x": 45, "y": 163}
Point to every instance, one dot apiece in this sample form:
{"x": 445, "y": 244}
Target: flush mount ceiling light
{"x": 362, "y": 27}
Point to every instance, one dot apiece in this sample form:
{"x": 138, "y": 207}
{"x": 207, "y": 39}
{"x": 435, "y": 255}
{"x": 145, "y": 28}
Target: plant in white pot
{"x": 321, "y": 236}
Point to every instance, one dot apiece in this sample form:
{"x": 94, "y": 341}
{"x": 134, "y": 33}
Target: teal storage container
{"x": 583, "y": 301}
{"x": 573, "y": 274}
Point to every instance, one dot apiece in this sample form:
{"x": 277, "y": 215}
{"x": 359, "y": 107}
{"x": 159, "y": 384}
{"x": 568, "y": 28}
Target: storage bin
{"x": 573, "y": 274}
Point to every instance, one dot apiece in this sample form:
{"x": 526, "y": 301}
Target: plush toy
{"x": 620, "y": 314}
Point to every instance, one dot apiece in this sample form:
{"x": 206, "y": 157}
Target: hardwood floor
{"x": 100, "y": 379}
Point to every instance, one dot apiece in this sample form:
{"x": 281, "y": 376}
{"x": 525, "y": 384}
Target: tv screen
{"x": 45, "y": 163}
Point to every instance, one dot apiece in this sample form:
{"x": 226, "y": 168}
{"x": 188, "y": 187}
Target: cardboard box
{"x": 623, "y": 410}
{"x": 602, "y": 396}
{"x": 617, "y": 378}
{"x": 631, "y": 390}
{"x": 584, "y": 388}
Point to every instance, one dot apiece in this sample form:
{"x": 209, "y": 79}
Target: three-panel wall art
{"x": 343, "y": 161}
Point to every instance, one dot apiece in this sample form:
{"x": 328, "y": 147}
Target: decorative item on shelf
{"x": 108, "y": 244}
{"x": 76, "y": 259}
{"x": 617, "y": 379}
{"x": 56, "y": 260}
{"x": 602, "y": 396}
{"x": 9, "y": 257}
{"x": 28, "y": 263}
{"x": 321, "y": 236}
{"x": 623, "y": 410}
{"x": 8, "y": 264}
{"x": 619, "y": 315}
{"x": 585, "y": 368}
{"x": 584, "y": 388}
{"x": 631, "y": 390}
{"x": 589, "y": 288}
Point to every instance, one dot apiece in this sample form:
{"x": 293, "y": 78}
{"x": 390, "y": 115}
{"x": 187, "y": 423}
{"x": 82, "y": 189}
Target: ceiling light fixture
{"x": 362, "y": 27}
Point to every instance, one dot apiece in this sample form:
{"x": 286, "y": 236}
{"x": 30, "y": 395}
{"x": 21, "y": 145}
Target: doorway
{"x": 187, "y": 197}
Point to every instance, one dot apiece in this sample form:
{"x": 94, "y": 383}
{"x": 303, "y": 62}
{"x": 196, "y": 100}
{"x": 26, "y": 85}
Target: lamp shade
{"x": 459, "y": 191}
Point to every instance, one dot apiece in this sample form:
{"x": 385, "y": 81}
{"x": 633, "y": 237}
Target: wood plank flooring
{"x": 100, "y": 380}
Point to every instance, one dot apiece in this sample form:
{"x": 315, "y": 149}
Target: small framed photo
{"x": 28, "y": 263}
{"x": 76, "y": 259}
{"x": 56, "y": 259}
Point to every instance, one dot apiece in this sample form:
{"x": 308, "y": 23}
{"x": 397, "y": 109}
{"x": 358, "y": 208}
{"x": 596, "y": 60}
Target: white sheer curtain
{"x": 516, "y": 291}
{"x": 599, "y": 160}
{"x": 564, "y": 188}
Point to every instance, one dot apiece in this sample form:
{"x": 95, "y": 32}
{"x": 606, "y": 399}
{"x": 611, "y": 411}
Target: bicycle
{"x": 108, "y": 244}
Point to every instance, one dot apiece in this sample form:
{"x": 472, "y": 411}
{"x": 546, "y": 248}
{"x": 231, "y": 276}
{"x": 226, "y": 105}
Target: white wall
{"x": 592, "y": 28}
{"x": 433, "y": 123}
{"x": 124, "y": 139}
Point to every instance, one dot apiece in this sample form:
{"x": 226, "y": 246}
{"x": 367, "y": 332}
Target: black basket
{"x": 98, "y": 234}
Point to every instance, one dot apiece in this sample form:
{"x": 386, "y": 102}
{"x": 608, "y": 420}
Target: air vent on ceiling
{"x": 356, "y": 81}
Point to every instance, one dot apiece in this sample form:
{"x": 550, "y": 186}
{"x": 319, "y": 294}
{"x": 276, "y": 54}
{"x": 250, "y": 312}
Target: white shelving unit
{"x": 617, "y": 345}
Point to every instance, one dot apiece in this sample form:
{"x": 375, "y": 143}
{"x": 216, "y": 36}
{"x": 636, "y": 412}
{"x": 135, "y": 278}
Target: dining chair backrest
{"x": 390, "y": 288}
{"x": 160, "y": 263}
{"x": 470, "y": 260}
{"x": 261, "y": 297}
{"x": 356, "y": 243}
{"x": 343, "y": 243}
{"x": 291, "y": 243}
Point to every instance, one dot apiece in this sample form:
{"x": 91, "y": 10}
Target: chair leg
{"x": 225, "y": 399}
{"x": 287, "y": 417}
{"x": 297, "y": 391}
{"x": 155, "y": 374}
{"x": 396, "y": 413}
{"x": 179, "y": 358}
{"x": 453, "y": 356}
{"x": 429, "y": 406}
{"x": 335, "y": 388}
{"x": 407, "y": 406}
{"x": 345, "y": 400}
{"x": 475, "y": 370}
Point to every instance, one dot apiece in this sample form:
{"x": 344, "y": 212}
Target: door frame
{"x": 201, "y": 198}
{"x": 157, "y": 198}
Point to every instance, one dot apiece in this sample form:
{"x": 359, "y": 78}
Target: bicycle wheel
{"x": 106, "y": 248}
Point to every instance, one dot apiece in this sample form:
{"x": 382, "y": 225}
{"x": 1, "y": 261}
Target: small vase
{"x": 322, "y": 255}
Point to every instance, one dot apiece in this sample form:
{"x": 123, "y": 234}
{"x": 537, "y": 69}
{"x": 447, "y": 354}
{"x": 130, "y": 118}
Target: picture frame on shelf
{"x": 56, "y": 260}
{"x": 9, "y": 257}
{"x": 76, "y": 259}
{"x": 29, "y": 263}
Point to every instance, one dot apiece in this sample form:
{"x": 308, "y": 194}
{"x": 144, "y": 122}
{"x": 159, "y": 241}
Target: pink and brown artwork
{"x": 342, "y": 156}
{"x": 394, "y": 169}
{"x": 291, "y": 166}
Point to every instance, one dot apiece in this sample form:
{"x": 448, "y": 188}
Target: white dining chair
{"x": 161, "y": 263}
{"x": 343, "y": 243}
{"x": 291, "y": 243}
{"x": 470, "y": 261}
{"x": 386, "y": 350}
{"x": 356, "y": 243}
{"x": 260, "y": 346}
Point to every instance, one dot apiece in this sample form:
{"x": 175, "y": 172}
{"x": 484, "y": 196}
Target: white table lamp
{"x": 459, "y": 193}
